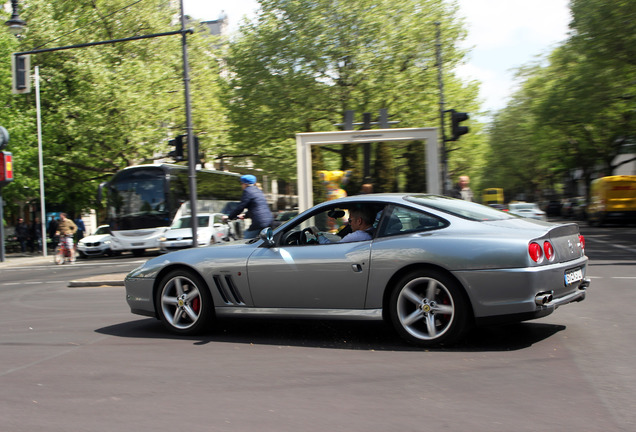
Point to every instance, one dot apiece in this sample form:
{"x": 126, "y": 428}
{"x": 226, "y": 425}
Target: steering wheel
{"x": 309, "y": 236}
{"x": 291, "y": 238}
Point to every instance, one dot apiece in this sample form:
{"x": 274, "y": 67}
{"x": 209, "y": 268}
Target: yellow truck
{"x": 612, "y": 198}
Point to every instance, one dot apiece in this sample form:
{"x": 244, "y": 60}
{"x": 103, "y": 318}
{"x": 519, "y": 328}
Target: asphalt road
{"x": 75, "y": 359}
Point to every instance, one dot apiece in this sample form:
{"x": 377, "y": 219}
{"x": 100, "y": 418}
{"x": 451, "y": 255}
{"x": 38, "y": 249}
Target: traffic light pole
{"x": 192, "y": 157}
{"x": 1, "y": 227}
{"x": 444, "y": 161}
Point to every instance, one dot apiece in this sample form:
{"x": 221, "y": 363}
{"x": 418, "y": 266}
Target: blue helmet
{"x": 248, "y": 179}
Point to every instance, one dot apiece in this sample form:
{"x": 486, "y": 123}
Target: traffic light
{"x": 456, "y": 129}
{"x": 21, "y": 66}
{"x": 177, "y": 153}
{"x": 6, "y": 168}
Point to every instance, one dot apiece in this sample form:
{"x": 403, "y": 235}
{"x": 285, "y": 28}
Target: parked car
{"x": 574, "y": 208}
{"x": 528, "y": 210}
{"x": 211, "y": 229}
{"x": 553, "y": 208}
{"x": 96, "y": 244}
{"x": 501, "y": 207}
{"x": 434, "y": 267}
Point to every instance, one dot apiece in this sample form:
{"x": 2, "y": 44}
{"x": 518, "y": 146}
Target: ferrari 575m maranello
{"x": 429, "y": 265}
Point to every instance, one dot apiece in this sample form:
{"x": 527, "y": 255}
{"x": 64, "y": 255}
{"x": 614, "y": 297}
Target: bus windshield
{"x": 136, "y": 199}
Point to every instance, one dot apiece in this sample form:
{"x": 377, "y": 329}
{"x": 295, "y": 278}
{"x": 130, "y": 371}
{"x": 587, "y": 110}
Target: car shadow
{"x": 348, "y": 335}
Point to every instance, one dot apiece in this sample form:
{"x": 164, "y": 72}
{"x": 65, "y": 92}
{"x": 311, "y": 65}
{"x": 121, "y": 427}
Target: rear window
{"x": 460, "y": 208}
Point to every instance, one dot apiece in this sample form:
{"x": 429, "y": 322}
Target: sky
{"x": 502, "y": 35}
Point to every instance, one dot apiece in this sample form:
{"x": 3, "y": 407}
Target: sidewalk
{"x": 26, "y": 259}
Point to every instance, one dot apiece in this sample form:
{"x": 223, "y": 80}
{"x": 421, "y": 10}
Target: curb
{"x": 113, "y": 280}
{"x": 89, "y": 283}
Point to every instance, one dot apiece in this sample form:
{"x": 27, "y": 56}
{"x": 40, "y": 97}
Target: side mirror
{"x": 267, "y": 235}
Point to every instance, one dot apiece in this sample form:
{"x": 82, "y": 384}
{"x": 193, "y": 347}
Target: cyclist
{"x": 66, "y": 228}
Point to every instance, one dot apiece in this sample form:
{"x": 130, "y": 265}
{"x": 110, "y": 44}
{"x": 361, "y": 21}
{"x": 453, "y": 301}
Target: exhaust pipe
{"x": 543, "y": 298}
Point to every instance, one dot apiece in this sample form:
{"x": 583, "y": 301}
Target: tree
{"x": 300, "y": 65}
{"x": 110, "y": 106}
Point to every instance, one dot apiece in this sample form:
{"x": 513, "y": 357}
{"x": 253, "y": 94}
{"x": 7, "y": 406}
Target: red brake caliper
{"x": 196, "y": 305}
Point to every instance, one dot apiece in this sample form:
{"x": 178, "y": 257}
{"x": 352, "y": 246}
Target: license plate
{"x": 572, "y": 276}
{"x": 137, "y": 244}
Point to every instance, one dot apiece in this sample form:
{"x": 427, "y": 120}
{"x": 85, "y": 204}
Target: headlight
{"x": 162, "y": 239}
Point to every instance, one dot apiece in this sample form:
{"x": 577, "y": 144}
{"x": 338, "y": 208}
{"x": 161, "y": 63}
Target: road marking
{"x": 627, "y": 248}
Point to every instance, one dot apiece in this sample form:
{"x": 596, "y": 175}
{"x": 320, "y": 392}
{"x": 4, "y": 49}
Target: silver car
{"x": 528, "y": 210}
{"x": 434, "y": 267}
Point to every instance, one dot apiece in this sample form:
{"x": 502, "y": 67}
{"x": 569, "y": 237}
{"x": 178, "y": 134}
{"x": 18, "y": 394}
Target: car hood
{"x": 95, "y": 238}
{"x": 184, "y": 232}
{"x": 239, "y": 249}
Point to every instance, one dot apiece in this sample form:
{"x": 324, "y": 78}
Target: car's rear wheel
{"x": 184, "y": 303}
{"x": 429, "y": 308}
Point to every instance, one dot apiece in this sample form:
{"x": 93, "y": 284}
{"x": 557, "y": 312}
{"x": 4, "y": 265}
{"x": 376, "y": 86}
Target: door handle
{"x": 356, "y": 268}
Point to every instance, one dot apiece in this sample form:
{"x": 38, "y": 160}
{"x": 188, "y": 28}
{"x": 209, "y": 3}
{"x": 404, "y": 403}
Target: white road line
{"x": 627, "y": 248}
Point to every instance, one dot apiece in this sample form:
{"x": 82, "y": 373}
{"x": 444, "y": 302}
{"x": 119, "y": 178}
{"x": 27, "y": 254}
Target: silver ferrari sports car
{"x": 429, "y": 265}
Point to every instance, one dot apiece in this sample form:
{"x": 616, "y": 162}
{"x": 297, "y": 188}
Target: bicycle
{"x": 63, "y": 253}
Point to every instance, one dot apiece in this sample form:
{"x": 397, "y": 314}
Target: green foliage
{"x": 110, "y": 106}
{"x": 574, "y": 114}
{"x": 300, "y": 65}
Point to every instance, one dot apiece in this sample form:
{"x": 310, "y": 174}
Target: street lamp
{"x": 15, "y": 24}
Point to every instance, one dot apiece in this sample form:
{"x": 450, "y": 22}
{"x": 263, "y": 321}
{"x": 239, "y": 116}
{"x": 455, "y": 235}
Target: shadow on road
{"x": 349, "y": 335}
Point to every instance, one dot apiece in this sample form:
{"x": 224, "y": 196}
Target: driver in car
{"x": 361, "y": 221}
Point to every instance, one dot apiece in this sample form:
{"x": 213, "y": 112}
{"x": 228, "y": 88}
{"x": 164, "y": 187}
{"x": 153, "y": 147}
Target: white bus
{"x": 143, "y": 200}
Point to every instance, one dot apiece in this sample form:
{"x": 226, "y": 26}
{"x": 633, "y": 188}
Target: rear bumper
{"x": 512, "y": 292}
{"x": 576, "y": 296}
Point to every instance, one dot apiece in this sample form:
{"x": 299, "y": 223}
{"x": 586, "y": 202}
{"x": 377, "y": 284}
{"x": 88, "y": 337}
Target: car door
{"x": 325, "y": 276}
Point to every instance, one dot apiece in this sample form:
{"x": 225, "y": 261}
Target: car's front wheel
{"x": 184, "y": 303}
{"x": 429, "y": 308}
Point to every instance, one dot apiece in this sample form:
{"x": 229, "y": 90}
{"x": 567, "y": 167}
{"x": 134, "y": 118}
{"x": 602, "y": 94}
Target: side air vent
{"x": 227, "y": 290}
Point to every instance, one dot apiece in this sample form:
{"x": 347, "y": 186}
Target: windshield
{"x": 186, "y": 222}
{"x": 460, "y": 208}
{"x": 101, "y": 230}
{"x": 137, "y": 199}
{"x": 522, "y": 206}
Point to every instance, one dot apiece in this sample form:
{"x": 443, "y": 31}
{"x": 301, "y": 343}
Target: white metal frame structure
{"x": 304, "y": 141}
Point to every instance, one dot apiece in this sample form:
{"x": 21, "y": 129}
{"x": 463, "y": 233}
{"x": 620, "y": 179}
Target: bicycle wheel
{"x": 58, "y": 257}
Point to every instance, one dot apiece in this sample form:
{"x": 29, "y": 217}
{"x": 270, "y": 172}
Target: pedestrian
{"x": 253, "y": 199}
{"x": 35, "y": 236}
{"x": 22, "y": 234}
{"x": 81, "y": 228}
{"x": 366, "y": 188}
{"x": 52, "y": 229}
{"x": 461, "y": 190}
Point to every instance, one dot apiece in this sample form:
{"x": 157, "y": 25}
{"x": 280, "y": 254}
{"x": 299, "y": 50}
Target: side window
{"x": 402, "y": 220}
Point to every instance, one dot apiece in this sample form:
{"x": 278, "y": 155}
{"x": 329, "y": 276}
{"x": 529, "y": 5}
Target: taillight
{"x": 548, "y": 250}
{"x": 582, "y": 243}
{"x": 535, "y": 251}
